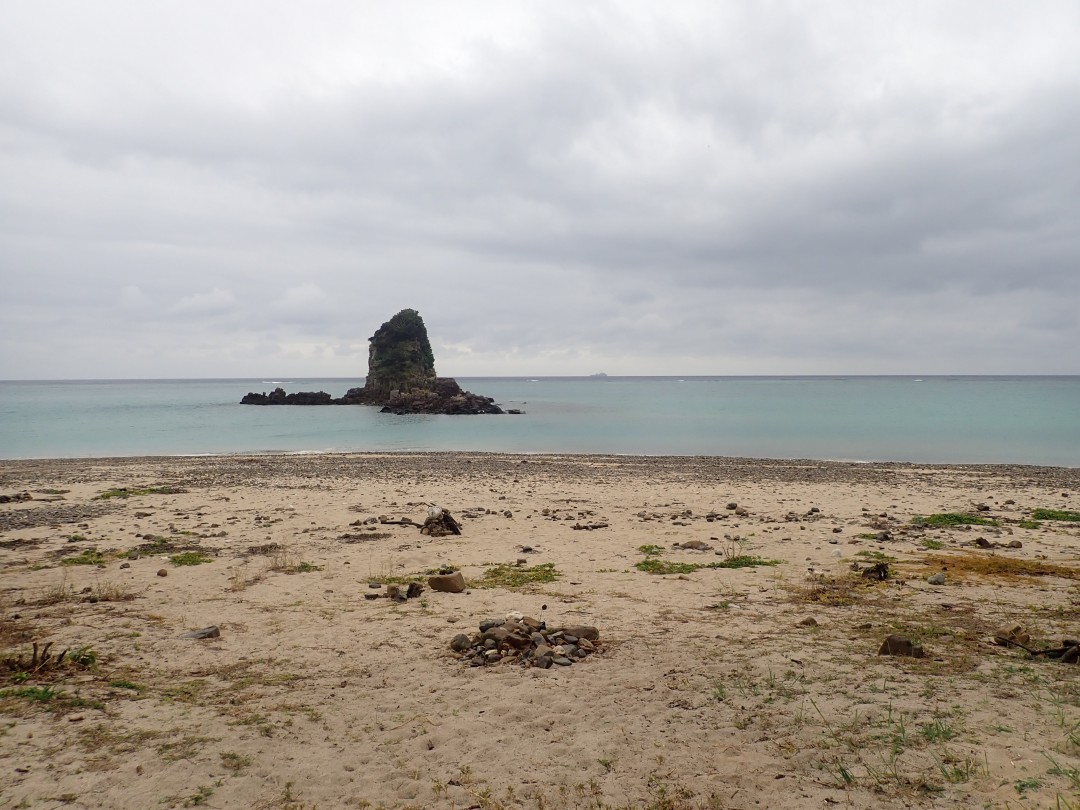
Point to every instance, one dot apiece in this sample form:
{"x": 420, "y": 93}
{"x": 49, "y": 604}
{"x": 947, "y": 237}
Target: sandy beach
{"x": 747, "y": 676}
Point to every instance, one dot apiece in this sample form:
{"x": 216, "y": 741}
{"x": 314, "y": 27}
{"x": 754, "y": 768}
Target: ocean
{"x": 1027, "y": 420}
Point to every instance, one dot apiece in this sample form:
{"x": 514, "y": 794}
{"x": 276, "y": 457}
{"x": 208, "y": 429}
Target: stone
{"x": 207, "y": 632}
{"x": 447, "y": 583}
{"x": 1014, "y": 544}
{"x": 460, "y": 643}
{"x": 936, "y": 579}
{"x": 499, "y": 635}
{"x": 901, "y": 646}
{"x": 561, "y": 660}
{"x": 162, "y": 572}
{"x": 125, "y": 565}
{"x": 733, "y": 506}
{"x": 809, "y": 621}
{"x": 414, "y": 590}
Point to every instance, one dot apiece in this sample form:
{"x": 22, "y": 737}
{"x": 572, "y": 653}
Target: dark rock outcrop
{"x": 279, "y": 397}
{"x": 401, "y": 378}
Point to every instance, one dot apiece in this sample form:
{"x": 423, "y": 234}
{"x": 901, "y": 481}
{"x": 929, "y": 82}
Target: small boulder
{"x": 447, "y": 583}
{"x": 901, "y": 646}
{"x": 936, "y": 579}
{"x": 207, "y": 632}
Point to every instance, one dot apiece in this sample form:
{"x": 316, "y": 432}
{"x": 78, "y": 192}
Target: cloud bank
{"x": 714, "y": 188}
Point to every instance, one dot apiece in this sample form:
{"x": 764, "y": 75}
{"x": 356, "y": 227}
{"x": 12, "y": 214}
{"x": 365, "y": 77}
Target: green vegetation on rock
{"x": 400, "y": 356}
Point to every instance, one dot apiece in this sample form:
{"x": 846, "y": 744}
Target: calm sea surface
{"x": 1032, "y": 420}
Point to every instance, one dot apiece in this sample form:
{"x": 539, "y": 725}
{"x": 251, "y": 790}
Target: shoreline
{"x": 741, "y": 467}
{"x": 714, "y": 684}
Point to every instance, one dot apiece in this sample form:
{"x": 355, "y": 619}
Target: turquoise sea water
{"x": 1032, "y": 420}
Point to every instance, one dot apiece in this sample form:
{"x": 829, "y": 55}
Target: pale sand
{"x": 707, "y": 692}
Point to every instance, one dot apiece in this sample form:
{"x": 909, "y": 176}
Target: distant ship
{"x": 598, "y": 376}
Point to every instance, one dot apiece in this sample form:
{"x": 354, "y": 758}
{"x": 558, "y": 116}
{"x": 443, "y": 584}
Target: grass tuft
{"x": 512, "y": 576}
{"x": 953, "y": 519}
{"x": 1056, "y": 514}
{"x": 190, "y": 558}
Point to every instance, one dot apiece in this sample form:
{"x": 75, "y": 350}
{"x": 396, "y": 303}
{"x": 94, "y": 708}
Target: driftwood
{"x": 1067, "y": 653}
{"x": 439, "y": 523}
{"x": 40, "y": 660}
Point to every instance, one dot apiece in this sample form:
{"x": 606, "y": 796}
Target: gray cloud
{"x": 714, "y": 188}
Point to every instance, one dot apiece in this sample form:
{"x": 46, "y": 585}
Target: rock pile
{"x": 526, "y": 641}
{"x": 18, "y": 497}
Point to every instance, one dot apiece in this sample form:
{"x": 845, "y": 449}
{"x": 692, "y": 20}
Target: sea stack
{"x": 401, "y": 377}
{"x": 401, "y": 374}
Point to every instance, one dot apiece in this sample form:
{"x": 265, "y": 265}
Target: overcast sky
{"x": 197, "y": 189}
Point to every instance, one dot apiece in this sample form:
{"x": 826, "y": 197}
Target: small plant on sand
{"x": 90, "y": 556}
{"x": 654, "y": 565}
{"x": 938, "y": 731}
{"x": 284, "y": 562}
{"x": 933, "y": 545}
{"x": 651, "y": 550}
{"x": 234, "y": 762}
{"x": 84, "y": 656}
{"x": 1056, "y": 514}
{"x": 126, "y": 684}
{"x": 109, "y": 591}
{"x": 190, "y": 558}
{"x": 953, "y": 519}
{"x": 513, "y": 576}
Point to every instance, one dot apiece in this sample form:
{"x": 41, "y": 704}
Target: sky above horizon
{"x": 249, "y": 189}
